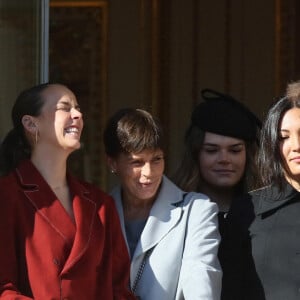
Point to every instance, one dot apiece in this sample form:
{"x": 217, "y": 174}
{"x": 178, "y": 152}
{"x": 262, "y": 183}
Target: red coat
{"x": 44, "y": 255}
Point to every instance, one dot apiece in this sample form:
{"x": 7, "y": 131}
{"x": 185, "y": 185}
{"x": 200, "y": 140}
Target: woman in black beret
{"x": 219, "y": 160}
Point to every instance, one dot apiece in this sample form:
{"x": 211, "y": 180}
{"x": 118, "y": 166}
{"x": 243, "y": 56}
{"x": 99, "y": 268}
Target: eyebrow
{"x": 65, "y": 102}
{"x": 282, "y": 131}
{"x": 217, "y": 145}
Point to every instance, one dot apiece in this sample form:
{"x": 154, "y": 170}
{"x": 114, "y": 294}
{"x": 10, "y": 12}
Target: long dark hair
{"x": 270, "y": 162}
{"x": 15, "y": 146}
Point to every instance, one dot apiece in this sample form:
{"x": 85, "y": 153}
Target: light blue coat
{"x": 185, "y": 237}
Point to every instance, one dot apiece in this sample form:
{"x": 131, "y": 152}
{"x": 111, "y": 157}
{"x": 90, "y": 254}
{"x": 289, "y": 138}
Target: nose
{"x": 146, "y": 170}
{"x": 224, "y": 157}
{"x": 75, "y": 113}
{"x": 295, "y": 140}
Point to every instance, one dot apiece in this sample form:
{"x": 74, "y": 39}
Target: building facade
{"x": 152, "y": 54}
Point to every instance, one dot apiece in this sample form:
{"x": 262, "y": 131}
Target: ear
{"x": 29, "y": 123}
{"x": 111, "y": 162}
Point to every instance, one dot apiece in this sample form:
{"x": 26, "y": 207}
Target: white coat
{"x": 183, "y": 232}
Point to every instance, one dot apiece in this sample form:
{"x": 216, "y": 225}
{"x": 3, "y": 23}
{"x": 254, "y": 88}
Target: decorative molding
{"x": 155, "y": 56}
{"x": 78, "y": 58}
{"x": 228, "y": 45}
{"x": 150, "y": 56}
{"x": 285, "y": 44}
{"x": 58, "y": 3}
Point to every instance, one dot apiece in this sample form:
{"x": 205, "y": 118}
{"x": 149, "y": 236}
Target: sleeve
{"x": 121, "y": 260}
{"x": 201, "y": 275}
{"x": 8, "y": 250}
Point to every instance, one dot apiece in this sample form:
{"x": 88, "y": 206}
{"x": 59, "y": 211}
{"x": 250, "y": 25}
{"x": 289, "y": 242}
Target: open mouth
{"x": 72, "y": 130}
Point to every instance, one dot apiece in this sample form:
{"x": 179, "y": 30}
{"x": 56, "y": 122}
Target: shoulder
{"x": 200, "y": 215}
{"x": 261, "y": 192}
{"x": 200, "y": 202}
{"x": 180, "y": 198}
{"x": 8, "y": 179}
{"x": 195, "y": 196}
{"x": 9, "y": 183}
{"x": 11, "y": 193}
{"x": 170, "y": 188}
{"x": 251, "y": 198}
{"x": 245, "y": 207}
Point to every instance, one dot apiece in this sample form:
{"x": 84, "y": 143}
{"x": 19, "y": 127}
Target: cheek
{"x": 161, "y": 168}
{"x": 284, "y": 149}
{"x": 80, "y": 123}
{"x": 127, "y": 180}
{"x": 124, "y": 172}
{"x": 241, "y": 160}
{"x": 127, "y": 174}
{"x": 239, "y": 163}
{"x": 157, "y": 171}
{"x": 205, "y": 161}
{"x": 204, "y": 168}
{"x": 58, "y": 125}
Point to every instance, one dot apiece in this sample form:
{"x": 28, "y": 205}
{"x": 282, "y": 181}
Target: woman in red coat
{"x": 60, "y": 238}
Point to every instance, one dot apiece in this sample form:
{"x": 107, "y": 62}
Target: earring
{"x": 36, "y": 136}
{"x": 113, "y": 171}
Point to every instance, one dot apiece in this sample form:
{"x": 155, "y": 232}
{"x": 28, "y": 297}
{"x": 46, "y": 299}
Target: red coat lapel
{"x": 40, "y": 195}
{"x": 85, "y": 216}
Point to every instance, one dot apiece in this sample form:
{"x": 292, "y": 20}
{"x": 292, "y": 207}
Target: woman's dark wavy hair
{"x": 15, "y": 146}
{"x": 270, "y": 163}
{"x": 132, "y": 130}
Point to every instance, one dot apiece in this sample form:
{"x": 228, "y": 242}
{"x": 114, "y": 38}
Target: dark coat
{"x": 234, "y": 250}
{"x": 269, "y": 251}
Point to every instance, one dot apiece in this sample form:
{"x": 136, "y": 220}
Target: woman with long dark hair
{"x": 273, "y": 232}
{"x": 60, "y": 237}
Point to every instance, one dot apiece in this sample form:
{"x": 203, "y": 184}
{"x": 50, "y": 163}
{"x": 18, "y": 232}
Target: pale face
{"x": 290, "y": 145}
{"x": 222, "y": 161}
{"x": 60, "y": 123}
{"x": 140, "y": 174}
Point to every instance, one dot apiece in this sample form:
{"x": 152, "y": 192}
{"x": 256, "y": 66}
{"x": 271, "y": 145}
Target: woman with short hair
{"x": 171, "y": 235}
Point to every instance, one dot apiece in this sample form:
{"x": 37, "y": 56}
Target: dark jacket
{"x": 234, "y": 250}
{"x": 269, "y": 224}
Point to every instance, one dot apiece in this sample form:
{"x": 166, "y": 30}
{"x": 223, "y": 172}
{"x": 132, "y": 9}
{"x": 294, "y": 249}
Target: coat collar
{"x": 164, "y": 215}
{"x": 270, "y": 198}
{"x": 40, "y": 195}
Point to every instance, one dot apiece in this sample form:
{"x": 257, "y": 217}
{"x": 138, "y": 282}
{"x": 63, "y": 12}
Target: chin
{"x": 147, "y": 196}
{"x": 72, "y": 148}
{"x": 226, "y": 185}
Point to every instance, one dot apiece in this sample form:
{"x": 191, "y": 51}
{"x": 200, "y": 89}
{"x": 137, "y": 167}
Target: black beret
{"x": 222, "y": 114}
